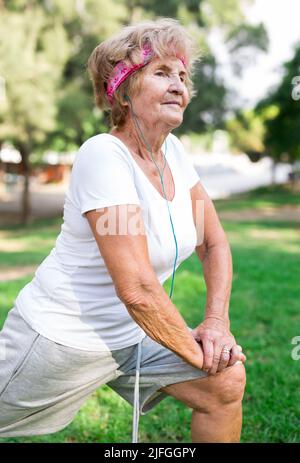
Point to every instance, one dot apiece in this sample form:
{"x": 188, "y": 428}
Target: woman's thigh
{"x": 42, "y": 383}
{"x": 159, "y": 367}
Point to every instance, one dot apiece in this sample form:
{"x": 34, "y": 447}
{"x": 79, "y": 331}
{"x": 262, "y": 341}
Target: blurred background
{"x": 241, "y": 131}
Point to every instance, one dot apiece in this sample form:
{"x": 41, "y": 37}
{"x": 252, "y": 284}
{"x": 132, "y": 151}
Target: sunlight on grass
{"x": 260, "y": 235}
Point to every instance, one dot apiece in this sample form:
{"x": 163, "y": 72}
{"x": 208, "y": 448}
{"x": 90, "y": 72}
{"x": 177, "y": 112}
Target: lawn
{"x": 265, "y": 317}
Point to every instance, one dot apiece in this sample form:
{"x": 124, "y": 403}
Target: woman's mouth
{"x": 174, "y": 103}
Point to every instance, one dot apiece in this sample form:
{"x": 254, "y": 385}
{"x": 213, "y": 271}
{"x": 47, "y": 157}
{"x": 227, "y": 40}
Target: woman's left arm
{"x": 214, "y": 253}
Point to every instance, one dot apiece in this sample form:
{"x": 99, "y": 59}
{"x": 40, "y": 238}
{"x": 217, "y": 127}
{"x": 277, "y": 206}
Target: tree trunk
{"x": 293, "y": 177}
{"x": 134, "y": 13}
{"x": 273, "y": 172}
{"x": 25, "y": 204}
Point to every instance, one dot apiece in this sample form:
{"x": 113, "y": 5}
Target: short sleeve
{"x": 186, "y": 165}
{"x": 191, "y": 173}
{"x": 102, "y": 176}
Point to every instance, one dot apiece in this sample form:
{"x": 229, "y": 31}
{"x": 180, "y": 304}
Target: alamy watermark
{"x": 296, "y": 89}
{"x": 296, "y": 351}
{"x": 134, "y": 219}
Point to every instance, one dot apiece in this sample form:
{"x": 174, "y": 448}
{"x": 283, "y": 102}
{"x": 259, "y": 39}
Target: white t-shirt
{"x": 72, "y": 299}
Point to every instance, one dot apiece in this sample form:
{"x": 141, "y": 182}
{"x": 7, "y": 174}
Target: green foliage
{"x": 244, "y": 41}
{"x": 31, "y": 62}
{"x": 206, "y": 110}
{"x": 246, "y": 132}
{"x": 224, "y": 13}
{"x": 44, "y": 50}
{"x": 282, "y": 138}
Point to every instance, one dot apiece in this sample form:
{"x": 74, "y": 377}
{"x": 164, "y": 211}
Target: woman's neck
{"x": 135, "y": 142}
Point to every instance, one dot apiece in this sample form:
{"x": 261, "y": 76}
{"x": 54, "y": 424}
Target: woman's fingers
{"x": 225, "y": 358}
{"x": 217, "y": 358}
{"x": 208, "y": 354}
{"x": 236, "y": 353}
{"x": 243, "y": 357}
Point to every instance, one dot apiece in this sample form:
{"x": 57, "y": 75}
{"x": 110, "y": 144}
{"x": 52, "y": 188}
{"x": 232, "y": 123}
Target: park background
{"x": 241, "y": 131}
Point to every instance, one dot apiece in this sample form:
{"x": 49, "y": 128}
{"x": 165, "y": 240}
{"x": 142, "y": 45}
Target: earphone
{"x": 126, "y": 97}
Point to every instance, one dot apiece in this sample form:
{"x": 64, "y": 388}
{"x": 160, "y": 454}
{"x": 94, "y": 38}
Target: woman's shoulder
{"x": 97, "y": 141}
{"x": 100, "y": 148}
{"x": 182, "y": 156}
{"x": 105, "y": 146}
{"x": 175, "y": 142}
{"x": 106, "y": 139}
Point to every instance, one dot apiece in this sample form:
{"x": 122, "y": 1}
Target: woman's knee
{"x": 228, "y": 386}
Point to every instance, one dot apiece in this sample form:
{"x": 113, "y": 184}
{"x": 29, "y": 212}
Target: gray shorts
{"x": 43, "y": 384}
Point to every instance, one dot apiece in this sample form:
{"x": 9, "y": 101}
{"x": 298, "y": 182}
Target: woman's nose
{"x": 177, "y": 85}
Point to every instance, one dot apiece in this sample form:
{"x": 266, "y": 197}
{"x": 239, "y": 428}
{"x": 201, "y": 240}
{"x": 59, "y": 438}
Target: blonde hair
{"x": 166, "y": 37}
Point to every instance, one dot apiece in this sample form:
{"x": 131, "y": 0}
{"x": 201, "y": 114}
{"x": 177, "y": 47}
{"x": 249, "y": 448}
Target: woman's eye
{"x": 163, "y": 73}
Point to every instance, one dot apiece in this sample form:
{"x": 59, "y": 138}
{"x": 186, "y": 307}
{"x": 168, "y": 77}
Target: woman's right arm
{"x": 127, "y": 259}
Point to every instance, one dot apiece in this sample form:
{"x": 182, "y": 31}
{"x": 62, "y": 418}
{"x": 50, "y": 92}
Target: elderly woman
{"x": 96, "y": 311}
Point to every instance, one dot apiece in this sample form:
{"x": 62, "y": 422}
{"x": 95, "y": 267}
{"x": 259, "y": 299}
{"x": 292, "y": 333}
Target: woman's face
{"x": 163, "y": 95}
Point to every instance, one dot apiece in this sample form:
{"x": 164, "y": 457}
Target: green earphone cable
{"x": 162, "y": 182}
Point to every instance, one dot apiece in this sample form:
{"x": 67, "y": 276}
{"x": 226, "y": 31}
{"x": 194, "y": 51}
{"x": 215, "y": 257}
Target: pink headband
{"x": 122, "y": 70}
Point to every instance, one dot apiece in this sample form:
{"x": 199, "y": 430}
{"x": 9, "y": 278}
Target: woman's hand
{"x": 214, "y": 335}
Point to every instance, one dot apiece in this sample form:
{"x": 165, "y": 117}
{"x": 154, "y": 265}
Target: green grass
{"x": 31, "y": 243}
{"x": 265, "y": 316}
{"x": 275, "y": 196}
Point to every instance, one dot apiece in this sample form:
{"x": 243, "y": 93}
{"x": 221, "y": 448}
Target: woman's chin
{"x": 174, "y": 121}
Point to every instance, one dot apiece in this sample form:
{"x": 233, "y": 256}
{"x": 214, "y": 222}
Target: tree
{"x": 246, "y": 132}
{"x": 282, "y": 133}
{"x": 43, "y": 54}
{"x": 31, "y": 64}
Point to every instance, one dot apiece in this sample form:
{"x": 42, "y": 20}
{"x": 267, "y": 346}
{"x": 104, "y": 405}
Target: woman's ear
{"x": 127, "y": 100}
